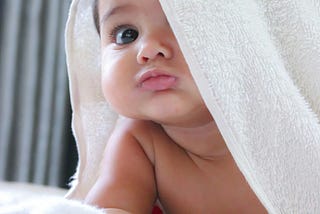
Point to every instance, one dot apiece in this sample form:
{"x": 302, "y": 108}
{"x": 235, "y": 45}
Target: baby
{"x": 166, "y": 146}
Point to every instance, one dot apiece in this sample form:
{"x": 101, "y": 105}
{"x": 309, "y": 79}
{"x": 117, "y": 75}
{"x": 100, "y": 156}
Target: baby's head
{"x": 144, "y": 74}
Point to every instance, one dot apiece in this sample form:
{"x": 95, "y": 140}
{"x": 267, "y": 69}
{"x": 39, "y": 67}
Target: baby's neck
{"x": 204, "y": 141}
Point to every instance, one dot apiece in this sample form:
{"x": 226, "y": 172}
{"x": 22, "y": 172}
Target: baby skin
{"x": 166, "y": 146}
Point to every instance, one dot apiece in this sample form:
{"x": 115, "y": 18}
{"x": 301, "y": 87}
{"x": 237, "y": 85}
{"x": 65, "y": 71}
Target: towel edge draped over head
{"x": 257, "y": 66}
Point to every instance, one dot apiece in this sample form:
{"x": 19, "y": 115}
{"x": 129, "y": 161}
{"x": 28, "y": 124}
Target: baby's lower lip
{"x": 159, "y": 83}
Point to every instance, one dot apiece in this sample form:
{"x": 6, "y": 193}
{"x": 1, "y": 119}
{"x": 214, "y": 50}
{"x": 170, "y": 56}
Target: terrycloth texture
{"x": 257, "y": 65}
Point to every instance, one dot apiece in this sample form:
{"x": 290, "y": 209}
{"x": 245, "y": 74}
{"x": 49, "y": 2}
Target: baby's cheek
{"x": 107, "y": 74}
{"x": 113, "y": 91}
{"x": 105, "y": 88}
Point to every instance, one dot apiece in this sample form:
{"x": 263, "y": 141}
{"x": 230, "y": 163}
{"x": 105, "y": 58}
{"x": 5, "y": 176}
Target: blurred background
{"x": 36, "y": 142}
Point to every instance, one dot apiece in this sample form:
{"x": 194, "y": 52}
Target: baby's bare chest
{"x": 189, "y": 185}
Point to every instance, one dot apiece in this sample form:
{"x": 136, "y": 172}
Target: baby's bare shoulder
{"x": 126, "y": 173}
{"x": 144, "y": 132}
{"x": 152, "y": 138}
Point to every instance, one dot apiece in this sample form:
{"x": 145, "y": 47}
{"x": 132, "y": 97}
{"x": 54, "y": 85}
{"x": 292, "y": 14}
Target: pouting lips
{"x": 158, "y": 82}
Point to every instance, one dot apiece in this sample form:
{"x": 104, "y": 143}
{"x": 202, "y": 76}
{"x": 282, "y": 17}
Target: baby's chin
{"x": 181, "y": 121}
{"x": 156, "y": 118}
{"x": 176, "y": 113}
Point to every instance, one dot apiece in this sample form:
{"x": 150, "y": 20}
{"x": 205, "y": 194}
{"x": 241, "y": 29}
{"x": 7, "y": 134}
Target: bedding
{"x": 23, "y": 198}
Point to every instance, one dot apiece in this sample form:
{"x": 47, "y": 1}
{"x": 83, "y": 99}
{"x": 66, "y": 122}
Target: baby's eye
{"x": 124, "y": 34}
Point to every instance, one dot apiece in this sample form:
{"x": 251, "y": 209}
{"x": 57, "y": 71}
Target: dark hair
{"x": 96, "y": 17}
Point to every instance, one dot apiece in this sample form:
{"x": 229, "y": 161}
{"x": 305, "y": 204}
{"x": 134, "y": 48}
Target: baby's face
{"x": 144, "y": 74}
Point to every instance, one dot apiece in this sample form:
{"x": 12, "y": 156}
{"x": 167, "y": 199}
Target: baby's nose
{"x": 152, "y": 49}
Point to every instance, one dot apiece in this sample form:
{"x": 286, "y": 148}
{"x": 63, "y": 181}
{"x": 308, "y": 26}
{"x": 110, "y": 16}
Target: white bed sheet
{"x": 23, "y": 198}
{"x": 12, "y": 193}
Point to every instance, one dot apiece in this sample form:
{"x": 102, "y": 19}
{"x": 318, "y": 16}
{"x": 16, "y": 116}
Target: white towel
{"x": 257, "y": 65}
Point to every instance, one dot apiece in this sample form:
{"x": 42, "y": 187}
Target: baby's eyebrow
{"x": 116, "y": 10}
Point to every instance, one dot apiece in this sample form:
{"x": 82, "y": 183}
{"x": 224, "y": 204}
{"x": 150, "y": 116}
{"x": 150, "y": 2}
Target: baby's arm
{"x": 126, "y": 179}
